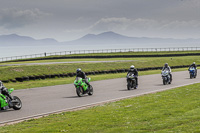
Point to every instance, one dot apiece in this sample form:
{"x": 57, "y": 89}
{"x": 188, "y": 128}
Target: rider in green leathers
{"x": 80, "y": 73}
{"x": 4, "y": 90}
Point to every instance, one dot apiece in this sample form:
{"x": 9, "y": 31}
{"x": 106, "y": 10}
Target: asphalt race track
{"x": 46, "y": 100}
{"x": 49, "y": 63}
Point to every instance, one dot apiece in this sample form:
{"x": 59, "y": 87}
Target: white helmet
{"x": 78, "y": 70}
{"x": 193, "y": 62}
{"x": 1, "y": 83}
{"x": 132, "y": 67}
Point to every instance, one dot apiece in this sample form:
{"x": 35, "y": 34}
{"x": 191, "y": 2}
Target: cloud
{"x": 144, "y": 27}
{"x": 15, "y": 18}
{"x": 75, "y": 18}
{"x": 123, "y": 24}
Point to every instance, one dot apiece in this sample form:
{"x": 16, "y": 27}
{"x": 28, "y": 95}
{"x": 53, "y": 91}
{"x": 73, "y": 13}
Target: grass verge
{"x": 175, "y": 110}
{"x": 12, "y": 72}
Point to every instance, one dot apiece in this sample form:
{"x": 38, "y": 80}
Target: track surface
{"x": 49, "y": 63}
{"x": 43, "y": 100}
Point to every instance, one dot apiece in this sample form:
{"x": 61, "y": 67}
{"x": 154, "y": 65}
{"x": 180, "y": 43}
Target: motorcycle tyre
{"x": 129, "y": 86}
{"x": 19, "y": 101}
{"x": 78, "y": 92}
{"x": 164, "y": 82}
{"x": 90, "y": 91}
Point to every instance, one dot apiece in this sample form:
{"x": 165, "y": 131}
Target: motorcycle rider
{"x": 195, "y": 67}
{"x": 4, "y": 91}
{"x": 166, "y": 66}
{"x": 81, "y": 74}
{"x": 134, "y": 71}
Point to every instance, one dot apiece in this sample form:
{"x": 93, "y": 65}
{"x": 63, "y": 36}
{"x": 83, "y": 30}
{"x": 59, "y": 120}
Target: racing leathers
{"x": 135, "y": 72}
{"x": 4, "y": 91}
{"x": 195, "y": 67}
{"x": 83, "y": 76}
{"x": 169, "y": 69}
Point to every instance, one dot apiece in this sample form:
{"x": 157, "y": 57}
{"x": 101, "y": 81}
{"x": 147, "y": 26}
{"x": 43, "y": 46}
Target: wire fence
{"x": 99, "y": 51}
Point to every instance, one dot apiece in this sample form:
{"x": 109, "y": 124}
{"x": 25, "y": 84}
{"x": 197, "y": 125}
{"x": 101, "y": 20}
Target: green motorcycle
{"x": 6, "y": 103}
{"x": 82, "y": 88}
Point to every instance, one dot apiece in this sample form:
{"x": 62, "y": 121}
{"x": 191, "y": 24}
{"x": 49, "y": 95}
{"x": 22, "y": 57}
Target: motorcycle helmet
{"x": 1, "y": 83}
{"x": 132, "y": 67}
{"x": 78, "y": 70}
{"x": 194, "y": 63}
{"x": 166, "y": 64}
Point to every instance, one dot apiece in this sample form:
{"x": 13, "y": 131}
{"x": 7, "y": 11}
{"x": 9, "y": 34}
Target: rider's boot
{"x": 137, "y": 83}
{"x": 11, "y": 98}
{"x": 88, "y": 85}
{"x": 170, "y": 77}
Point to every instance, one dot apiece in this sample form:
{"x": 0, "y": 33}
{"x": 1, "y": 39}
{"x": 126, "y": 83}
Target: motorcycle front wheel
{"x": 18, "y": 104}
{"x": 79, "y": 91}
{"x": 191, "y": 76}
{"x": 128, "y": 85}
{"x": 164, "y": 82}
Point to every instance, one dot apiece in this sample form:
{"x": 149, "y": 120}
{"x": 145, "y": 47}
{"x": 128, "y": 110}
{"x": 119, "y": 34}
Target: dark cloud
{"x": 15, "y": 18}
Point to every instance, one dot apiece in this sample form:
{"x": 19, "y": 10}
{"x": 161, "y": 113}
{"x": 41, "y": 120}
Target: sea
{"x": 9, "y": 51}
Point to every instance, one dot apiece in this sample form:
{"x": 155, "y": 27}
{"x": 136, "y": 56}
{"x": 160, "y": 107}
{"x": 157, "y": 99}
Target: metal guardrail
{"x": 100, "y": 51}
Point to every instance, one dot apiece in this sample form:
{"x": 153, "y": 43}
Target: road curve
{"x": 44, "y": 100}
{"x": 49, "y": 63}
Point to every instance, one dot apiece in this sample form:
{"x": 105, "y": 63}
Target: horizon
{"x": 96, "y": 35}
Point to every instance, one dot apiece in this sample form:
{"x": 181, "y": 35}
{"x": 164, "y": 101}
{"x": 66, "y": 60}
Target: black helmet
{"x": 78, "y": 70}
{"x": 166, "y": 64}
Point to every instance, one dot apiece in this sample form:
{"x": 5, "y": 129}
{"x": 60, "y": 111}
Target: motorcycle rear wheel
{"x": 134, "y": 85}
{"x": 90, "y": 91}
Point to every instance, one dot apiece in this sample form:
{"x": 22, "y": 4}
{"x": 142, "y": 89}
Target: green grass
{"x": 11, "y": 72}
{"x": 176, "y": 110}
{"x": 70, "y": 80}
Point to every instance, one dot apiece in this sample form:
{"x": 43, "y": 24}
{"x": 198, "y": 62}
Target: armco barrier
{"x": 113, "y": 56}
{"x": 27, "y": 78}
{"x": 62, "y": 53}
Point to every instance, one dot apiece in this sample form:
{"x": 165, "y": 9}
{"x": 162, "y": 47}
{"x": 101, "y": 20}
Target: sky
{"x": 66, "y": 20}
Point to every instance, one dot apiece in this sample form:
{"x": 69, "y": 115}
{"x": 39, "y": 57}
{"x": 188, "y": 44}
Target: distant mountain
{"x": 114, "y": 38}
{"x": 104, "y": 38}
{"x": 14, "y": 39}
